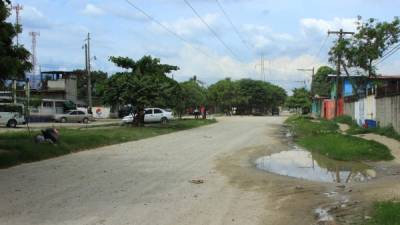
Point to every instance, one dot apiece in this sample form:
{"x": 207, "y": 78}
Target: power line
{"x": 165, "y": 27}
{"x": 210, "y": 29}
{"x": 322, "y": 46}
{"x": 388, "y": 54}
{"x": 233, "y": 26}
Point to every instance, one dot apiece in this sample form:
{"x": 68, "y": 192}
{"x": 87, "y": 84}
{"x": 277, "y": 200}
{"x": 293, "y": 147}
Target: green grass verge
{"x": 388, "y": 131}
{"x": 322, "y": 136}
{"x": 346, "y": 147}
{"x": 386, "y": 213}
{"x": 19, "y": 147}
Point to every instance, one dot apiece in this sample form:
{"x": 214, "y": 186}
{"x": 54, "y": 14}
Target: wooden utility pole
{"x": 307, "y": 70}
{"x": 338, "y": 66}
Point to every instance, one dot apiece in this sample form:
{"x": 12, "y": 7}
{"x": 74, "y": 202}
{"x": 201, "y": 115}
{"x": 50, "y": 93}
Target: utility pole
{"x": 34, "y": 35}
{"x": 307, "y": 70}
{"x": 338, "y": 66}
{"x": 89, "y": 77}
{"x": 262, "y": 67}
{"x": 17, "y": 9}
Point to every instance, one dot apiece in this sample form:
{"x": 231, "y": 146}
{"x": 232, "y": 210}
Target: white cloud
{"x": 32, "y": 18}
{"x": 311, "y": 25}
{"x": 263, "y": 39}
{"x": 193, "y": 25}
{"x": 211, "y": 67}
{"x": 93, "y": 10}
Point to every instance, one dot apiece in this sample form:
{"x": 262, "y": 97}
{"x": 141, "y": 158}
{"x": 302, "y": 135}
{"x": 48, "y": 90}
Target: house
{"x": 56, "y": 93}
{"x": 60, "y": 85}
{"x": 369, "y": 101}
{"x": 317, "y": 105}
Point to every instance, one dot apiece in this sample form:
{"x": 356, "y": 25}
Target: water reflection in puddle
{"x": 302, "y": 164}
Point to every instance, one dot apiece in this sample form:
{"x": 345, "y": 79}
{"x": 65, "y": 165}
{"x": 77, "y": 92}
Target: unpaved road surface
{"x": 147, "y": 182}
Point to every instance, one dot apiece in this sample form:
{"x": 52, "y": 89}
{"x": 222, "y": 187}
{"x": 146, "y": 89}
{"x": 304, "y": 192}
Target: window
{"x": 59, "y": 104}
{"x": 157, "y": 111}
{"x": 149, "y": 111}
{"x": 80, "y": 113}
{"x": 73, "y": 113}
{"x": 48, "y": 104}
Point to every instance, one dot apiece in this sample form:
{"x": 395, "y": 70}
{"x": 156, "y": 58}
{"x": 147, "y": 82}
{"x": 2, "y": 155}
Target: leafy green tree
{"x": 97, "y": 79}
{"x": 371, "y": 41}
{"x": 301, "y": 99}
{"x": 320, "y": 84}
{"x": 224, "y": 94}
{"x": 144, "y": 84}
{"x": 14, "y": 60}
{"x": 193, "y": 94}
{"x": 258, "y": 95}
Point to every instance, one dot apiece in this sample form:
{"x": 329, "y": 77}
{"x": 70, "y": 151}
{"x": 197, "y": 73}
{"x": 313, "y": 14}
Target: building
{"x": 60, "y": 85}
{"x": 369, "y": 101}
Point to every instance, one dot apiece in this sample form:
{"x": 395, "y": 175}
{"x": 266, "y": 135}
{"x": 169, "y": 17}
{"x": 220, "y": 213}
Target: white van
{"x": 11, "y": 115}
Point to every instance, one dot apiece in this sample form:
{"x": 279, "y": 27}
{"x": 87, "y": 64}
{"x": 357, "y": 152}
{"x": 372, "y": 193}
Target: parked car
{"x": 152, "y": 115}
{"x": 72, "y": 116}
{"x": 12, "y": 114}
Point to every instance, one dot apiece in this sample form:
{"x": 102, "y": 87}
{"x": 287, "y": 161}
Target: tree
{"x": 97, "y": 78}
{"x": 258, "y": 95}
{"x": 371, "y": 41}
{"x": 301, "y": 99}
{"x": 320, "y": 84}
{"x": 193, "y": 94}
{"x": 144, "y": 84}
{"x": 224, "y": 94}
{"x": 14, "y": 60}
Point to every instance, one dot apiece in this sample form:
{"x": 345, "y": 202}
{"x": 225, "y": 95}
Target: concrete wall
{"x": 56, "y": 84}
{"x": 349, "y": 109}
{"x": 71, "y": 88}
{"x": 388, "y": 111}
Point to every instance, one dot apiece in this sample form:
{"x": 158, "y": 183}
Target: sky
{"x": 290, "y": 35}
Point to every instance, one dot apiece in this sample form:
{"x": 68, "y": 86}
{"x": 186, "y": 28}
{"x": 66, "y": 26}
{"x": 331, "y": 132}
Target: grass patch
{"x": 19, "y": 147}
{"x": 345, "y": 119}
{"x": 386, "y": 213}
{"x": 322, "y": 136}
{"x": 388, "y": 131}
{"x": 384, "y": 131}
{"x": 346, "y": 147}
{"x": 304, "y": 126}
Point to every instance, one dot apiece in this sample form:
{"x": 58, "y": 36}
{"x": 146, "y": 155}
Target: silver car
{"x": 72, "y": 116}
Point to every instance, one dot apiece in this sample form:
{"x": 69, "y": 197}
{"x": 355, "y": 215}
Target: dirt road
{"x": 147, "y": 182}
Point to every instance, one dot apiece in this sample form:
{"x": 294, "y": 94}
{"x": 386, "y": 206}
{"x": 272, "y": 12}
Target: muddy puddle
{"x": 302, "y": 164}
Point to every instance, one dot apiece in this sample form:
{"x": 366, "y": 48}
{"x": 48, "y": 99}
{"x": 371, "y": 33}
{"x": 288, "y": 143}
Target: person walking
{"x": 203, "y": 112}
{"x": 196, "y": 113}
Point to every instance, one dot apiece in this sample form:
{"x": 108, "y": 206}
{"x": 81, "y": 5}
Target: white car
{"x": 12, "y": 114}
{"x": 152, "y": 115}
